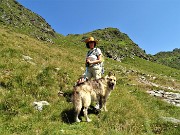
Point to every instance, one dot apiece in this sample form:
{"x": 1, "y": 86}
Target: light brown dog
{"x": 93, "y": 90}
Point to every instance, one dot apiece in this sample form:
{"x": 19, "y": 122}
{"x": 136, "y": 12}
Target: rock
{"x": 27, "y": 57}
{"x": 171, "y": 119}
{"x": 57, "y": 69}
{"x": 39, "y": 105}
{"x": 169, "y": 97}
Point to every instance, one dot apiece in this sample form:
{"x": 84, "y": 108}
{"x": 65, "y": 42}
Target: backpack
{"x": 102, "y": 64}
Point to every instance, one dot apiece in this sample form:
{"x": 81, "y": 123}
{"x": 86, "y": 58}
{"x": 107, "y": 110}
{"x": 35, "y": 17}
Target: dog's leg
{"x": 77, "y": 112}
{"x": 85, "y": 110}
{"x": 103, "y": 104}
{"x": 86, "y": 103}
{"x": 105, "y": 101}
{"x": 77, "y": 106}
{"x": 100, "y": 102}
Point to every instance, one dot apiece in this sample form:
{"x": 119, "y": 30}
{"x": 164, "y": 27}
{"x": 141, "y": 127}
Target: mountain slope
{"x": 35, "y": 72}
{"x": 171, "y": 59}
{"x": 25, "y": 21}
{"x": 114, "y": 44}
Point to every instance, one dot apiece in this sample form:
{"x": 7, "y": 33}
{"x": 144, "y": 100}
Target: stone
{"x": 39, "y": 105}
{"x": 169, "y": 97}
{"x": 171, "y": 119}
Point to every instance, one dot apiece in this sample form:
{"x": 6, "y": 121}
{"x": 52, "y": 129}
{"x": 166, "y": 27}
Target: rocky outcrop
{"x": 14, "y": 14}
{"x": 170, "y": 97}
{"x": 168, "y": 94}
{"x": 171, "y": 119}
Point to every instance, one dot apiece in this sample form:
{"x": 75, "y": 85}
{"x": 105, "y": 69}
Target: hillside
{"x": 171, "y": 59}
{"x": 35, "y": 72}
{"x": 146, "y": 100}
{"x": 114, "y": 44}
{"x": 25, "y": 21}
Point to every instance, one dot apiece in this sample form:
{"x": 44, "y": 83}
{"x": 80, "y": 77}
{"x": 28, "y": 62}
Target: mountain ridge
{"x": 114, "y": 43}
{"x": 15, "y": 15}
{"x": 169, "y": 58}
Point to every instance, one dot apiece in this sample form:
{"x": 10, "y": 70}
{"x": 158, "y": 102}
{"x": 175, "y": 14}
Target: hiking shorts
{"x": 94, "y": 72}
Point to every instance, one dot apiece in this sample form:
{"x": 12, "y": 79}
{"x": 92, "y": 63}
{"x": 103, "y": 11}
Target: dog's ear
{"x": 107, "y": 77}
{"x": 111, "y": 74}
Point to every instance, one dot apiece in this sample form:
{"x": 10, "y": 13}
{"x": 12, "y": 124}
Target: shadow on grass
{"x": 67, "y": 115}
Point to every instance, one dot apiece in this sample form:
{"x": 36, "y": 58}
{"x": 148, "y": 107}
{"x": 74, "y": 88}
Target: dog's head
{"x": 111, "y": 80}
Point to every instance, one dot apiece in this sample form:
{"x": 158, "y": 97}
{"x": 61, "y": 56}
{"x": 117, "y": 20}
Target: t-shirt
{"x": 93, "y": 54}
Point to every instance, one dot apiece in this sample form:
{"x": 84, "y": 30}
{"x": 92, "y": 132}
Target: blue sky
{"x": 152, "y": 24}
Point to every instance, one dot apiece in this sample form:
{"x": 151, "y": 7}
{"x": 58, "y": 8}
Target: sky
{"x": 152, "y": 24}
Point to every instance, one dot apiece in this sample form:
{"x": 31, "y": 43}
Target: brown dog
{"x": 95, "y": 90}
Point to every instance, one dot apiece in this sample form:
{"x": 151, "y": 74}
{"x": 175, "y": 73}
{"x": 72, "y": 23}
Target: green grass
{"x": 131, "y": 110}
{"x": 170, "y": 59}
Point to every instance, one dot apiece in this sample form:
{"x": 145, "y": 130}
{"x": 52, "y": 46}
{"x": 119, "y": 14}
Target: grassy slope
{"x": 131, "y": 110}
{"x": 171, "y": 59}
{"x": 114, "y": 43}
{"x": 25, "y": 21}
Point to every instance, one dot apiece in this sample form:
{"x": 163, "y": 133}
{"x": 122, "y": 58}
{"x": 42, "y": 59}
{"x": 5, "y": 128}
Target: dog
{"x": 92, "y": 90}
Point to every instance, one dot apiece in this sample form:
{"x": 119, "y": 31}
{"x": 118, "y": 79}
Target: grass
{"x": 55, "y": 67}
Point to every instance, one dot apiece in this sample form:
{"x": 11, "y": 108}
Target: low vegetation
{"x": 37, "y": 64}
{"x": 171, "y": 59}
{"x": 32, "y": 70}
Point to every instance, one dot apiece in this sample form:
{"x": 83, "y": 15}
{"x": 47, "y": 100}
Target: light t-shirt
{"x": 93, "y": 54}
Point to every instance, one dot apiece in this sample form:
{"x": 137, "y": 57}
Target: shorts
{"x": 94, "y": 72}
